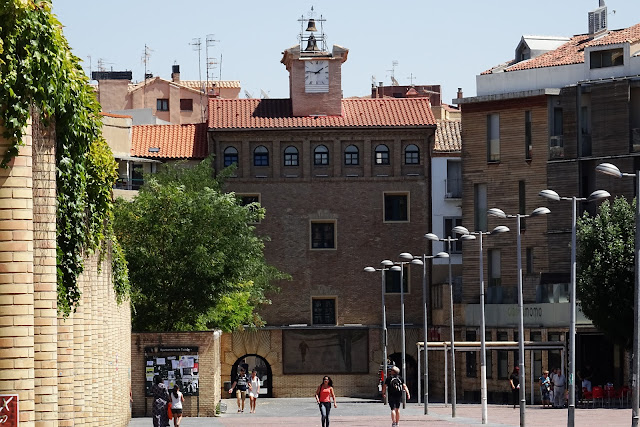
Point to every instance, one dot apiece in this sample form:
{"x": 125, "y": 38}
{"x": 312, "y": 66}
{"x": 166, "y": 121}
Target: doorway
{"x": 411, "y": 376}
{"x": 263, "y": 371}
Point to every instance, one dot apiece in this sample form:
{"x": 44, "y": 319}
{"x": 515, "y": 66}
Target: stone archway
{"x": 263, "y": 368}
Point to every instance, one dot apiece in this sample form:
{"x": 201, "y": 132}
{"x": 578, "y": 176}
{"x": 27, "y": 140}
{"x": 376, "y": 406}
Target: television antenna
{"x": 211, "y": 63}
{"x": 394, "y": 64}
{"x": 197, "y": 46}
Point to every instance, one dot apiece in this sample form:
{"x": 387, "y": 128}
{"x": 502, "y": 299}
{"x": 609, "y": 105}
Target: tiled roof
{"x": 572, "y": 52}
{"x": 173, "y": 141}
{"x": 448, "y": 136}
{"x": 276, "y": 114}
{"x": 197, "y": 84}
{"x": 118, "y": 116}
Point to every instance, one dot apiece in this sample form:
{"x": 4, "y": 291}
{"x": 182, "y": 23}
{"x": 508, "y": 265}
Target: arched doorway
{"x": 260, "y": 364}
{"x": 411, "y": 376}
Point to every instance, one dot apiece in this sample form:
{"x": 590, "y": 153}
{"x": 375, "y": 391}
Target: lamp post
{"x": 467, "y": 235}
{"x": 552, "y": 195}
{"x": 425, "y": 326}
{"x": 500, "y": 214}
{"x": 385, "y": 266}
{"x": 612, "y": 170}
{"x": 400, "y": 266}
{"x": 450, "y": 239}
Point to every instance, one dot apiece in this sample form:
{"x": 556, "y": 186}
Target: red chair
{"x": 610, "y": 394}
{"x": 587, "y": 397}
{"x": 597, "y": 393}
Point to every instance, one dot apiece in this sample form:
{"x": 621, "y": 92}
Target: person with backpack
{"x": 395, "y": 386}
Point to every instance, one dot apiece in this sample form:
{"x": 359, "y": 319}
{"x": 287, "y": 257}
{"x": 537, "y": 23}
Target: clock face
{"x": 316, "y": 76}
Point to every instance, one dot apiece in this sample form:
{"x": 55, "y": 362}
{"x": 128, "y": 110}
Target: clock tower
{"x": 315, "y": 76}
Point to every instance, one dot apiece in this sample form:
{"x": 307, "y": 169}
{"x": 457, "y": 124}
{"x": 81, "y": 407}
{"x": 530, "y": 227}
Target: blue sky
{"x": 438, "y": 42}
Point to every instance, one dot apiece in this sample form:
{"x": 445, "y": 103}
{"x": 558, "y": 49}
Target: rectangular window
{"x": 323, "y": 235}
{"x": 503, "y": 358}
{"x": 556, "y": 140}
{"x": 396, "y": 207}
{"x": 522, "y": 204}
{"x": 489, "y": 337}
{"x": 480, "y": 203}
{"x": 162, "y": 104}
{"x": 324, "y": 311}
{"x": 495, "y": 278}
{"x": 454, "y": 179}
{"x": 436, "y": 296}
{"x": 493, "y": 137}
{"x": 186, "y": 104}
{"x": 537, "y": 355}
{"x": 555, "y": 356}
{"x": 529, "y": 267}
{"x": 449, "y": 223}
{"x": 528, "y": 144}
{"x": 472, "y": 370}
{"x": 607, "y": 58}
{"x": 392, "y": 281}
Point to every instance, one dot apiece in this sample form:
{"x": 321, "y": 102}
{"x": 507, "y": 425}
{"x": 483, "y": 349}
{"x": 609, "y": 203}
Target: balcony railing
{"x": 556, "y": 147}
{"x": 129, "y": 183}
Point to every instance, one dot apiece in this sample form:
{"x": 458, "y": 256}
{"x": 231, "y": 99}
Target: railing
{"x": 556, "y": 147}
{"x": 129, "y": 183}
{"x": 453, "y": 188}
{"x": 635, "y": 140}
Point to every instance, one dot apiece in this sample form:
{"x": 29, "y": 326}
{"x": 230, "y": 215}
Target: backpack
{"x": 395, "y": 386}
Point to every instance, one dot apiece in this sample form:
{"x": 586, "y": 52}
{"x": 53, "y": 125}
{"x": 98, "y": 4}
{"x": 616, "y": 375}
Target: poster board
{"x": 9, "y": 410}
{"x": 175, "y": 365}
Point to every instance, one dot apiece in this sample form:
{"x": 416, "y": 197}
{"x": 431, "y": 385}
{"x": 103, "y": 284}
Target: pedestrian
{"x": 240, "y": 384}
{"x": 545, "y": 389}
{"x": 514, "y": 382}
{"x": 160, "y": 399}
{"x": 585, "y": 375}
{"x": 254, "y": 390}
{"x": 559, "y": 385}
{"x": 395, "y": 385}
{"x": 176, "y": 405}
{"x": 324, "y": 393}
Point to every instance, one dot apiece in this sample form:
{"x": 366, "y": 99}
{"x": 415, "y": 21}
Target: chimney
{"x": 175, "y": 73}
{"x": 459, "y": 96}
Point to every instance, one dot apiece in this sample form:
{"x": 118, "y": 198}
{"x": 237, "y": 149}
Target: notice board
{"x": 174, "y": 365}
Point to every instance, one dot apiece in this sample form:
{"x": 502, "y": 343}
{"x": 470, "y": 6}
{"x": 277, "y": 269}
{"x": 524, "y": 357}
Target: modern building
{"x": 544, "y": 120}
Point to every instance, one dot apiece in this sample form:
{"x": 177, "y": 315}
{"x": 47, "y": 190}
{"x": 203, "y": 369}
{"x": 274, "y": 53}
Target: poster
{"x": 173, "y": 368}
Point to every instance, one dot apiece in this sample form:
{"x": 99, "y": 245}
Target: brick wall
{"x": 208, "y": 344}
{"x": 66, "y": 371}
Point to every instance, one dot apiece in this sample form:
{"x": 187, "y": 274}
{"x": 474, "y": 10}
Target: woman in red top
{"x": 324, "y": 393}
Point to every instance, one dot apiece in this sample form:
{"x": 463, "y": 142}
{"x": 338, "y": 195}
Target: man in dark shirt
{"x": 514, "y": 382}
{"x": 241, "y": 390}
{"x": 395, "y": 396}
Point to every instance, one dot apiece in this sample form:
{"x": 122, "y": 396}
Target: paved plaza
{"x": 353, "y": 412}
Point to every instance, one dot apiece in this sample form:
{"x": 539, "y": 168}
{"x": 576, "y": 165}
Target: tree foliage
{"x": 606, "y": 267}
{"x": 194, "y": 259}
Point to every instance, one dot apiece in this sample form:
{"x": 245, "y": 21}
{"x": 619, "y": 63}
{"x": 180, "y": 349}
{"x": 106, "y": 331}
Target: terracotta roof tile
{"x": 173, "y": 141}
{"x": 448, "y": 136}
{"x": 572, "y": 52}
{"x": 197, "y": 84}
{"x": 276, "y": 114}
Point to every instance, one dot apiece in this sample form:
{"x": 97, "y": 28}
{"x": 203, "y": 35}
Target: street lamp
{"x": 400, "y": 267}
{"x": 467, "y": 235}
{"x": 425, "y": 326}
{"x": 385, "y": 266}
{"x": 449, "y": 239}
{"x": 500, "y": 214}
{"x": 612, "y": 170}
{"x": 552, "y": 195}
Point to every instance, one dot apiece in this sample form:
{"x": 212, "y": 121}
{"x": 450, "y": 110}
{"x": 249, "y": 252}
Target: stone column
{"x": 44, "y": 276}
{"x": 16, "y": 279}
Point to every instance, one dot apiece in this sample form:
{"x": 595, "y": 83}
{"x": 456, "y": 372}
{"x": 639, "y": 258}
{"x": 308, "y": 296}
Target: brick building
{"x": 543, "y": 120}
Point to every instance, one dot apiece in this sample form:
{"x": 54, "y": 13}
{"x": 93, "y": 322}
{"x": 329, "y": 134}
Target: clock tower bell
{"x": 315, "y": 77}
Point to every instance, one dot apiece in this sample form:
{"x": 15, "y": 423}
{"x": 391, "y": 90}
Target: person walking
{"x": 176, "y": 405}
{"x": 254, "y": 390}
{"x": 240, "y": 384}
{"x": 160, "y": 399}
{"x": 395, "y": 385}
{"x": 514, "y": 382}
{"x": 559, "y": 385}
{"x": 324, "y": 393}
{"x": 545, "y": 389}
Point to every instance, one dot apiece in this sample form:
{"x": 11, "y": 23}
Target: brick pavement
{"x": 353, "y": 412}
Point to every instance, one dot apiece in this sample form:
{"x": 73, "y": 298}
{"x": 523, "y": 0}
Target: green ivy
{"x": 38, "y": 70}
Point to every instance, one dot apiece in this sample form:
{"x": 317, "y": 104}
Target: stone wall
{"x": 208, "y": 343}
{"x": 65, "y": 371}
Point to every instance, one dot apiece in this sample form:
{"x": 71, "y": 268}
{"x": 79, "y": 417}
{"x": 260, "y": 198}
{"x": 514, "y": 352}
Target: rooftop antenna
{"x": 411, "y": 77}
{"x": 197, "y": 46}
{"x": 394, "y": 64}
{"x": 211, "y": 62}
{"x": 263, "y": 94}
{"x": 89, "y": 56}
{"x": 146, "y": 56}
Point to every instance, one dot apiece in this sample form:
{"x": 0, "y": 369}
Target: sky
{"x": 431, "y": 42}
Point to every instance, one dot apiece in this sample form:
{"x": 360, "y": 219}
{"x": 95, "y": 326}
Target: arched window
{"x": 230, "y": 156}
{"x": 291, "y": 156}
{"x": 412, "y": 155}
{"x": 321, "y": 155}
{"x": 351, "y": 155}
{"x": 382, "y": 155}
{"x": 261, "y": 156}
